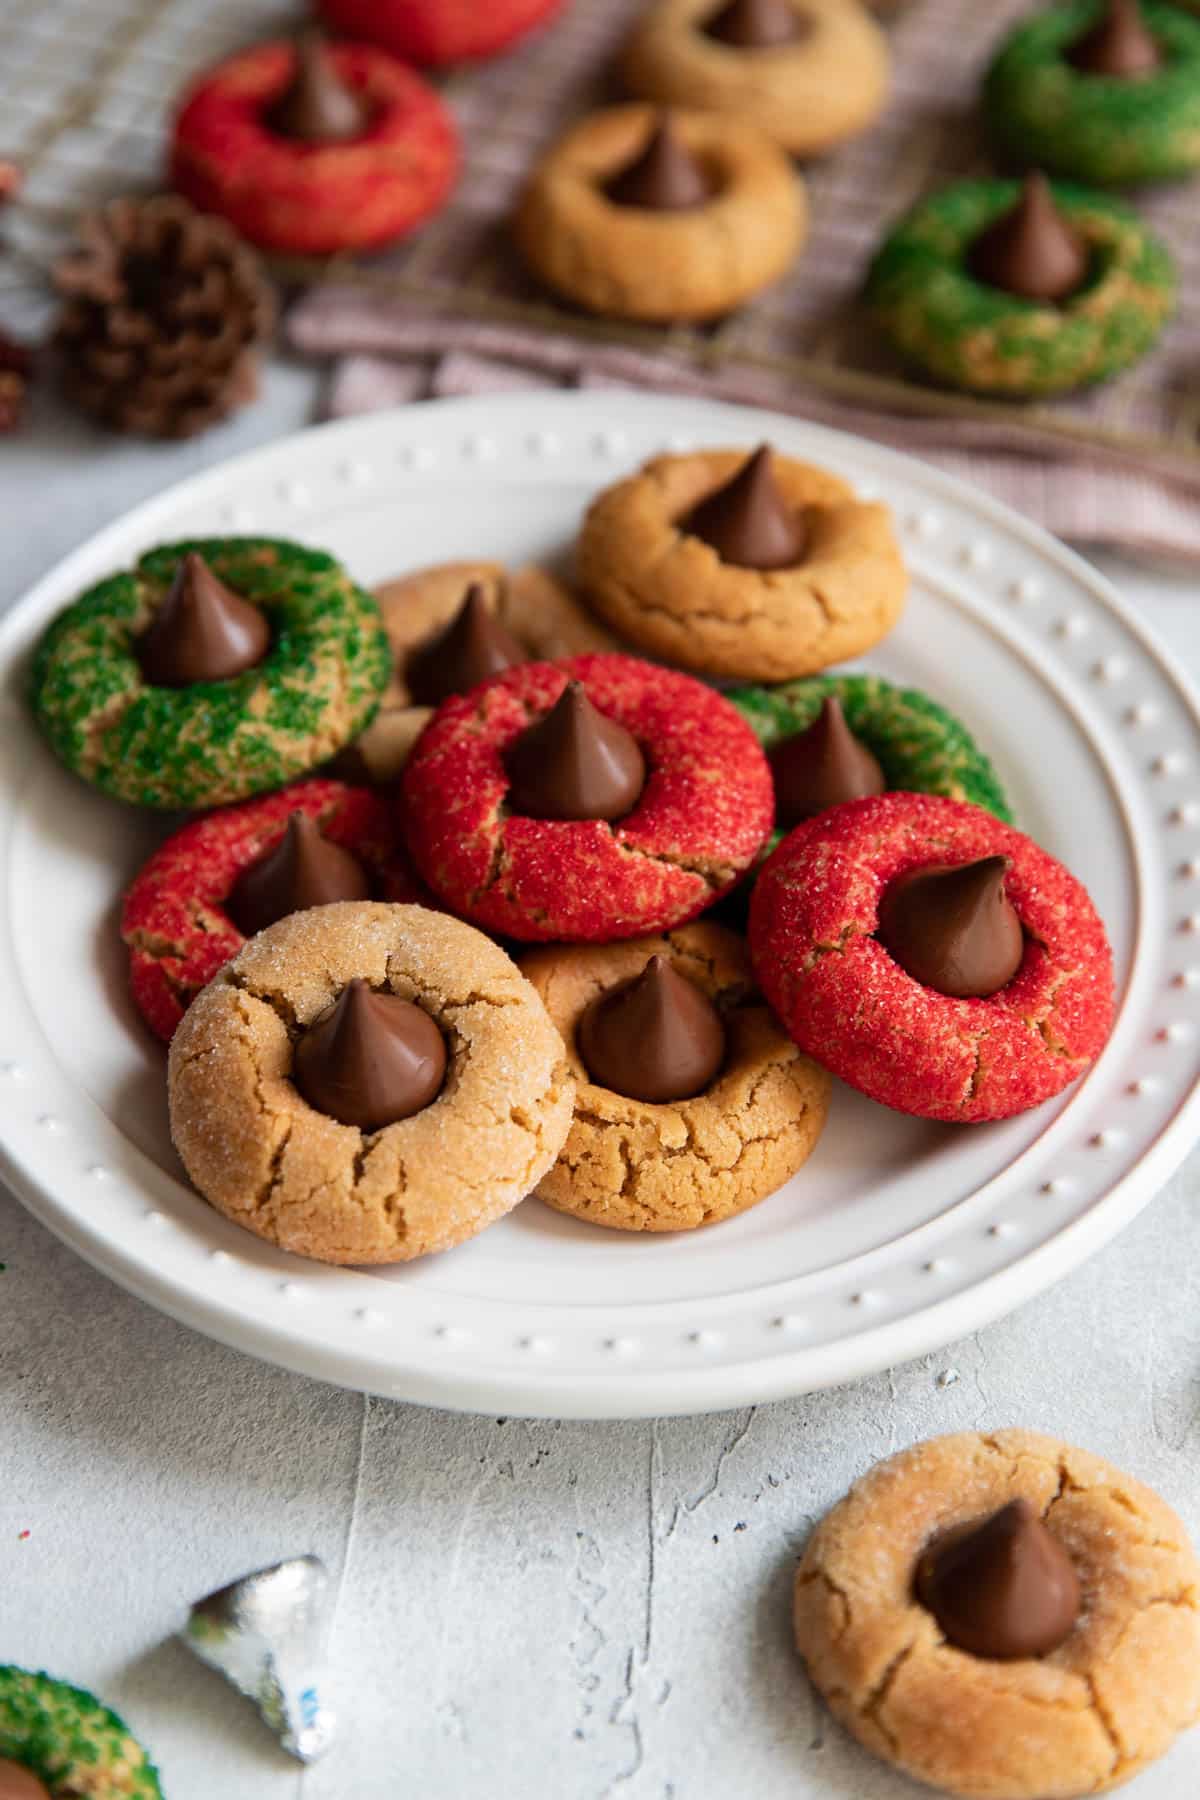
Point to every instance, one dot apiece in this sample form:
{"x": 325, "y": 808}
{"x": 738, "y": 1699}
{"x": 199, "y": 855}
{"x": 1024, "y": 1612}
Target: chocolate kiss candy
{"x": 748, "y": 522}
{"x": 1032, "y": 251}
{"x": 655, "y": 1038}
{"x": 954, "y": 928}
{"x": 317, "y": 106}
{"x": 757, "y": 24}
{"x": 1118, "y": 44}
{"x": 822, "y": 767}
{"x": 371, "y": 1059}
{"x": 664, "y": 177}
{"x": 1003, "y": 1589}
{"x": 574, "y": 764}
{"x": 472, "y": 648}
{"x": 303, "y": 869}
{"x": 203, "y": 631}
{"x": 19, "y": 1783}
{"x": 266, "y": 1635}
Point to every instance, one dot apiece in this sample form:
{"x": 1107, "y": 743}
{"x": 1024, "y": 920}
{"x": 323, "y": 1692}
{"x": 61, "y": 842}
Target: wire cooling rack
{"x": 87, "y": 88}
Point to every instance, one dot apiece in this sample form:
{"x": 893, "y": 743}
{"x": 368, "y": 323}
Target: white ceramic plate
{"x": 898, "y": 1235}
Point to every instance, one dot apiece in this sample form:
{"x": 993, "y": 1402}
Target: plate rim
{"x": 631, "y": 1391}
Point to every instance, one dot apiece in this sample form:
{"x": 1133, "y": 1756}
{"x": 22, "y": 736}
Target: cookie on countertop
{"x": 587, "y": 800}
{"x": 438, "y": 32}
{"x": 725, "y": 1109}
{"x": 810, "y": 73}
{"x": 212, "y": 670}
{"x": 58, "y": 1742}
{"x": 223, "y": 877}
{"x": 367, "y": 1083}
{"x": 755, "y": 568}
{"x": 661, "y": 217}
{"x": 309, "y": 149}
{"x": 1004, "y": 1616}
{"x": 439, "y": 620}
{"x": 1105, "y": 92}
{"x": 1022, "y": 290}
{"x": 935, "y": 958}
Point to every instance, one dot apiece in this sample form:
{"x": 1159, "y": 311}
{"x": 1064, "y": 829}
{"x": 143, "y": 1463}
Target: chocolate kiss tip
{"x": 472, "y": 648}
{"x": 1032, "y": 250}
{"x": 1003, "y": 1589}
{"x": 574, "y": 763}
{"x": 821, "y": 767}
{"x": 1119, "y": 44}
{"x": 953, "y": 928}
{"x": 748, "y": 522}
{"x": 303, "y": 869}
{"x": 317, "y": 106}
{"x": 203, "y": 631}
{"x": 664, "y": 177}
{"x": 656, "y": 1038}
{"x": 757, "y": 24}
{"x": 371, "y": 1060}
{"x": 19, "y": 1783}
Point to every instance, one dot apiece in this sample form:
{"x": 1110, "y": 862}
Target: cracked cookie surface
{"x": 827, "y": 86}
{"x": 213, "y": 741}
{"x": 173, "y": 918}
{"x": 671, "y": 595}
{"x": 846, "y": 1001}
{"x": 640, "y": 1167}
{"x": 266, "y": 1159}
{"x": 1081, "y": 1720}
{"x": 703, "y": 814}
{"x": 661, "y": 266}
{"x": 542, "y": 614}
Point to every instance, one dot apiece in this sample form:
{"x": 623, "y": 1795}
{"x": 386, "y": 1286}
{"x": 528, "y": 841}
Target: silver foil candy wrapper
{"x": 266, "y": 1635}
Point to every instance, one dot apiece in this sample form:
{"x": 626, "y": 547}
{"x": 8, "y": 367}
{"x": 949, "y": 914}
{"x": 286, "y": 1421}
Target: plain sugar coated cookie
{"x": 844, "y": 998}
{"x": 262, "y": 1155}
{"x": 1081, "y": 1718}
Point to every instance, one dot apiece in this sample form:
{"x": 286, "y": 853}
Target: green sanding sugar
{"x": 70, "y": 1741}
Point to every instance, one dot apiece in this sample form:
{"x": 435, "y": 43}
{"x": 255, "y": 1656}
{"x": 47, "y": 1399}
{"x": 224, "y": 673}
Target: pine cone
{"x": 164, "y": 313}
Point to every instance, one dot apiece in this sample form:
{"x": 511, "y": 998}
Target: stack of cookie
{"x": 398, "y": 791}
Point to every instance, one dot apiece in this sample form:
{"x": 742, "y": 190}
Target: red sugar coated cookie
{"x": 845, "y": 1001}
{"x": 309, "y": 199}
{"x": 173, "y": 919}
{"x": 439, "y": 31}
{"x": 706, "y": 808}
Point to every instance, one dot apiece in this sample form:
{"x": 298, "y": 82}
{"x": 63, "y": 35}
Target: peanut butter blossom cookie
{"x": 222, "y": 878}
{"x": 834, "y": 738}
{"x": 368, "y": 1083}
{"x": 311, "y": 149}
{"x": 59, "y": 1743}
{"x": 589, "y": 800}
{"x": 1005, "y": 289}
{"x": 440, "y": 31}
{"x": 692, "y": 1104}
{"x": 1005, "y": 1617}
{"x": 933, "y": 957}
{"x": 661, "y": 217}
{"x": 213, "y": 670}
{"x": 1103, "y": 91}
{"x": 757, "y": 568}
{"x": 810, "y": 73}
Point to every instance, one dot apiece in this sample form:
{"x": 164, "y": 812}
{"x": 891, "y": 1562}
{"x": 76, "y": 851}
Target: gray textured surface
{"x": 523, "y": 1609}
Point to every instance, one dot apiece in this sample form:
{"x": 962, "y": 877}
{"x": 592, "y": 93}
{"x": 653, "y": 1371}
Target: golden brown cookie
{"x": 262, "y": 1156}
{"x": 1080, "y": 1720}
{"x": 542, "y": 614}
{"x": 826, "y": 86}
{"x": 634, "y": 263}
{"x": 672, "y": 596}
{"x": 634, "y": 1166}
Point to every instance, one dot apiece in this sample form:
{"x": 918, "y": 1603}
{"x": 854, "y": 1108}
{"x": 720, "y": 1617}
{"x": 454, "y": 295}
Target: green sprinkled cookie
{"x": 1109, "y": 129}
{"x": 920, "y": 747}
{"x": 213, "y": 670}
{"x": 967, "y": 333}
{"x": 73, "y": 1745}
